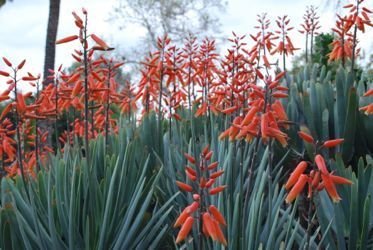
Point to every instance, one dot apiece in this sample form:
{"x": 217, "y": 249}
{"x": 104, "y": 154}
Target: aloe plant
{"x": 108, "y": 204}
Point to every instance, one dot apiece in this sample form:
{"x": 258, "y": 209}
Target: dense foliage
{"x": 203, "y": 152}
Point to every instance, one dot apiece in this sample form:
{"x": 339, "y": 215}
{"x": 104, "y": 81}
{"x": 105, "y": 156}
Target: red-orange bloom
{"x": 67, "y": 39}
{"x": 320, "y": 163}
{"x": 332, "y": 143}
{"x": 185, "y": 229}
{"x": 301, "y": 167}
{"x": 306, "y": 137}
{"x": 297, "y": 188}
{"x": 184, "y": 186}
{"x": 217, "y": 215}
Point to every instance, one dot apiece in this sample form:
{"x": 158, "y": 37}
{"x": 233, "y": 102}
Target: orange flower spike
{"x": 320, "y": 163}
{"x": 184, "y": 186}
{"x": 297, "y": 188}
{"x": 190, "y": 158}
{"x": 67, "y": 39}
{"x": 217, "y": 190}
{"x": 332, "y": 143}
{"x": 306, "y": 137}
{"x": 185, "y": 229}
{"x": 330, "y": 187}
{"x": 217, "y": 215}
{"x": 301, "y": 167}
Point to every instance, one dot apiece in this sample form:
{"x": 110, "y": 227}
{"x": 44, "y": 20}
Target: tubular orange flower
{"x": 368, "y": 109}
{"x": 182, "y": 218}
{"x": 230, "y": 110}
{"x": 190, "y": 158}
{"x": 73, "y": 78}
{"x": 368, "y": 93}
{"x": 249, "y": 116}
{"x": 6, "y": 110}
{"x": 264, "y": 126}
{"x": 224, "y": 134}
{"x": 185, "y": 229}
{"x": 212, "y": 165}
{"x": 301, "y": 167}
{"x": 316, "y": 179}
{"x": 30, "y": 78}
{"x": 219, "y": 234}
{"x": 100, "y": 42}
{"x": 320, "y": 163}
{"x": 306, "y": 137}
{"x": 67, "y": 39}
{"x": 330, "y": 187}
{"x": 192, "y": 207}
{"x": 7, "y": 62}
{"x": 217, "y": 215}
{"x": 209, "y": 183}
{"x": 297, "y": 188}
{"x": 340, "y": 180}
{"x": 3, "y": 73}
{"x": 217, "y": 190}
{"x": 332, "y": 143}
{"x": 279, "y": 94}
{"x": 209, "y": 155}
{"x": 217, "y": 174}
{"x": 190, "y": 176}
{"x": 184, "y": 186}
{"x": 209, "y": 225}
{"x": 20, "y": 66}
{"x": 190, "y": 170}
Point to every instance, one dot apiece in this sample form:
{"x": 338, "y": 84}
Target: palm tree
{"x": 50, "y": 46}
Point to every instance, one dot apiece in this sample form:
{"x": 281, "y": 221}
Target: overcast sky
{"x": 23, "y": 25}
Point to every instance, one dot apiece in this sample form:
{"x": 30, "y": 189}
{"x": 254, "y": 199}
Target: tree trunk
{"x": 50, "y": 45}
{"x": 50, "y": 54}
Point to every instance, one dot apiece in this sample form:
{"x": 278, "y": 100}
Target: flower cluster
{"x": 318, "y": 178}
{"x": 203, "y": 178}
